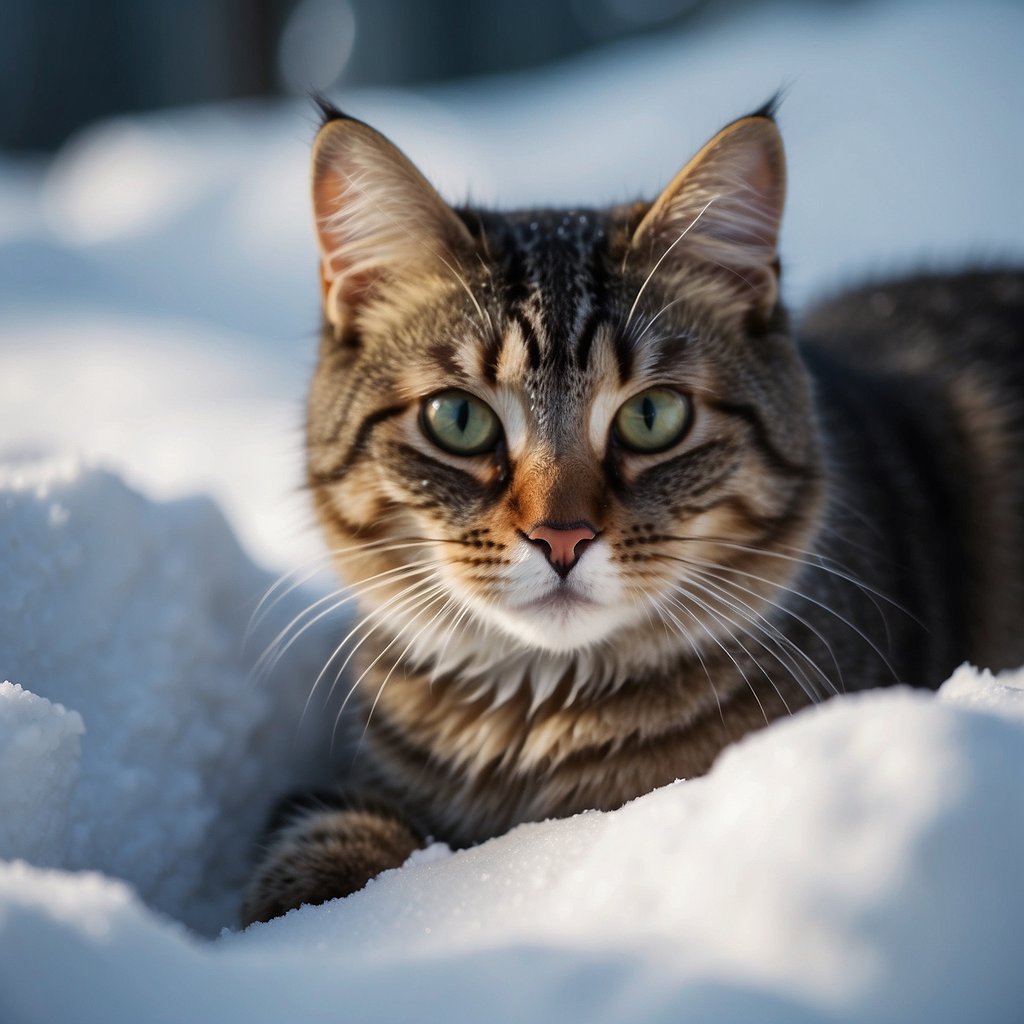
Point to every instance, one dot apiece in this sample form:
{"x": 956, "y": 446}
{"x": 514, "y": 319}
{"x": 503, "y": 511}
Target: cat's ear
{"x": 723, "y": 208}
{"x": 377, "y": 218}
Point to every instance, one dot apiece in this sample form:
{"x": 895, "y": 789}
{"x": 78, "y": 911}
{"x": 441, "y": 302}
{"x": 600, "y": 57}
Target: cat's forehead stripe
{"x": 530, "y": 337}
{"x": 585, "y": 336}
{"x": 553, "y": 280}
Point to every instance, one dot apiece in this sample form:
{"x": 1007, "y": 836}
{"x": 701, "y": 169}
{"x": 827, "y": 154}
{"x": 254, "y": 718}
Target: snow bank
{"x": 857, "y": 862}
{"x": 132, "y": 614}
{"x": 180, "y": 408}
{"x": 39, "y": 746}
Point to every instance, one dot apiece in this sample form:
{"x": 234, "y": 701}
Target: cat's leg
{"x": 321, "y": 846}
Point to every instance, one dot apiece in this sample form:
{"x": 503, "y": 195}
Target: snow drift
{"x": 132, "y": 613}
{"x": 860, "y": 861}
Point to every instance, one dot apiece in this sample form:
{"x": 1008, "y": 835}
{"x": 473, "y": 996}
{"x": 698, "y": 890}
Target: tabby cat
{"x": 604, "y": 514}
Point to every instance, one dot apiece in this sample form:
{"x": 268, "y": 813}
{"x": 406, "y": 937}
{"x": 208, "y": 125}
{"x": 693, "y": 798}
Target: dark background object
{"x": 67, "y": 62}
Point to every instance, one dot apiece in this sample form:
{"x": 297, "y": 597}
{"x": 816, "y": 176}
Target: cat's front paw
{"x": 324, "y": 854}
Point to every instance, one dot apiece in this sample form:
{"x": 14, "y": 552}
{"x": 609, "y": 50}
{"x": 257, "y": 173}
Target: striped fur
{"x": 835, "y": 517}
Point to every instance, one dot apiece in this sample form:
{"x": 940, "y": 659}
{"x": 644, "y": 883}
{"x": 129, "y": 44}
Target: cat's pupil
{"x": 462, "y": 416}
{"x": 649, "y": 413}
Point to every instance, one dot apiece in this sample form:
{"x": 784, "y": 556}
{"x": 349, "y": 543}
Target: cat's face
{"x": 558, "y": 427}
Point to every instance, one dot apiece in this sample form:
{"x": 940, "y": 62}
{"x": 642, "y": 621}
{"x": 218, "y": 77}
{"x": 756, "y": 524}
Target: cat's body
{"x": 605, "y": 517}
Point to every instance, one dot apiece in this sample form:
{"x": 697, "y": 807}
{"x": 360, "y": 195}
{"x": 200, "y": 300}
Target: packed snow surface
{"x": 858, "y": 862}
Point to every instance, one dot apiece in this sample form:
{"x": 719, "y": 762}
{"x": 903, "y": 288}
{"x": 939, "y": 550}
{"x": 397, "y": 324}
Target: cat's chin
{"x": 560, "y": 623}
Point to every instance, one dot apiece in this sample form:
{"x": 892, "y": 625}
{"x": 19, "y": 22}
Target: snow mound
{"x": 171, "y": 403}
{"x": 132, "y": 613}
{"x": 860, "y": 858}
{"x": 39, "y": 746}
{"x": 858, "y": 862}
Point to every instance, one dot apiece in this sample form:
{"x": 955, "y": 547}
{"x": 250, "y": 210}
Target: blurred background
{"x": 65, "y": 64}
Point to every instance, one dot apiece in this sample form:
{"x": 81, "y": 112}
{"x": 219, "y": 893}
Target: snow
{"x": 39, "y": 750}
{"x": 132, "y": 613}
{"x": 858, "y": 862}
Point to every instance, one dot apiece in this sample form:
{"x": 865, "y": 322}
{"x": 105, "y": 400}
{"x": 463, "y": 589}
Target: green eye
{"x": 460, "y": 423}
{"x": 653, "y": 420}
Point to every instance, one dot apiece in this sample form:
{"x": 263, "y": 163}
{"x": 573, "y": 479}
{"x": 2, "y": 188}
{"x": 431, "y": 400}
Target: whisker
{"x": 481, "y": 313}
{"x": 666, "y": 617}
{"x": 449, "y": 603}
{"x": 410, "y": 598}
{"x": 427, "y": 598}
{"x": 450, "y": 632}
{"x": 374, "y": 547}
{"x": 711, "y": 572}
{"x": 725, "y": 622}
{"x": 764, "y": 628}
{"x": 654, "y": 319}
{"x": 395, "y": 602}
{"x": 664, "y": 255}
{"x": 739, "y": 668}
{"x": 277, "y": 648}
{"x": 255, "y": 619}
{"x": 816, "y": 560}
{"x": 778, "y": 636}
{"x": 810, "y": 600}
{"x": 413, "y": 603}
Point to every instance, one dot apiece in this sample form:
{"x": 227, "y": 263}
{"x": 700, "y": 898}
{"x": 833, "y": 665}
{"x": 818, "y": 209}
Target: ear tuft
{"x": 379, "y": 222}
{"x": 770, "y": 107}
{"x": 724, "y": 208}
{"x": 328, "y": 111}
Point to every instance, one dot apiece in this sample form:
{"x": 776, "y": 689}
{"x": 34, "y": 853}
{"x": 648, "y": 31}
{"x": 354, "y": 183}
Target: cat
{"x": 604, "y": 514}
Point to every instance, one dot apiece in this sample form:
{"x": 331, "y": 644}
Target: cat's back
{"x": 932, "y": 367}
{"x": 935, "y": 325}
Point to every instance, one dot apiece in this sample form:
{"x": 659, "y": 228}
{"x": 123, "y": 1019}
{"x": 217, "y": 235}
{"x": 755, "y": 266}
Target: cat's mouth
{"x": 561, "y": 599}
{"x": 563, "y": 605}
{"x": 562, "y": 619}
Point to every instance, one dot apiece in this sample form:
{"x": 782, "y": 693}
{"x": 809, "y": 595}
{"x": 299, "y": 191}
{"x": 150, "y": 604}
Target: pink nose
{"x": 564, "y": 544}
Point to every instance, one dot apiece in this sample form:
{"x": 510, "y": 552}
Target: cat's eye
{"x": 652, "y": 421}
{"x": 459, "y": 423}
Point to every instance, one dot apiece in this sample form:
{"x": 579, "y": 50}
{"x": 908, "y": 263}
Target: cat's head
{"x": 558, "y": 428}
